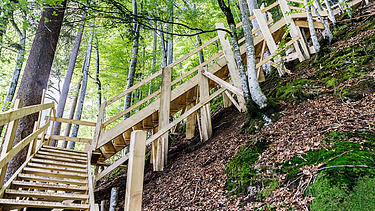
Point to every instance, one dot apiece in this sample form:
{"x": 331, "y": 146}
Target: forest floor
{"x": 197, "y": 175}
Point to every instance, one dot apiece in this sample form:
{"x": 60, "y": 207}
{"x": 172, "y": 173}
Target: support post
{"x": 204, "y": 93}
{"x": 9, "y": 139}
{"x": 190, "y": 122}
{"x": 269, "y": 39}
{"x": 294, "y": 31}
{"x": 164, "y": 111}
{"x": 136, "y": 163}
{"x": 231, "y": 63}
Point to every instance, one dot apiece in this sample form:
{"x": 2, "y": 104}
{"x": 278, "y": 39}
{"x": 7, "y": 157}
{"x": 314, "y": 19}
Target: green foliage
{"x": 240, "y": 170}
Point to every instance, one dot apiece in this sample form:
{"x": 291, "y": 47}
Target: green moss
{"x": 292, "y": 92}
{"x": 356, "y": 92}
{"x": 240, "y": 170}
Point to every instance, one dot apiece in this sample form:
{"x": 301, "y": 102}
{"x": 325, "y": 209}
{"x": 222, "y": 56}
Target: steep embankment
{"x": 318, "y": 155}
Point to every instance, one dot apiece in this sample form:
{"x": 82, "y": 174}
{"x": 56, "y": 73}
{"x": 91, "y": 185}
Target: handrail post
{"x": 9, "y": 139}
{"x": 161, "y": 145}
{"x": 231, "y": 63}
{"x": 99, "y": 126}
{"x": 136, "y": 163}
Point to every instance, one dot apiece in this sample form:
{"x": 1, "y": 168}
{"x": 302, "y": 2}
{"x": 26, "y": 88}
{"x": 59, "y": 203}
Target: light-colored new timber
{"x": 41, "y": 204}
{"x": 58, "y": 163}
{"x": 229, "y": 96}
{"x": 63, "y": 152}
{"x": 223, "y": 83}
{"x": 56, "y": 168}
{"x": 71, "y": 121}
{"x": 49, "y": 186}
{"x": 190, "y": 122}
{"x": 65, "y": 149}
{"x": 134, "y": 182}
{"x": 59, "y": 159}
{"x": 53, "y": 173}
{"x": 112, "y": 167}
{"x": 56, "y": 154}
{"x": 74, "y": 139}
{"x": 46, "y": 195}
{"x": 60, "y": 180}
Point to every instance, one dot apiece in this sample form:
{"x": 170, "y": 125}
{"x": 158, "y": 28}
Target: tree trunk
{"x": 72, "y": 111}
{"x": 237, "y": 54}
{"x": 114, "y": 197}
{"x": 97, "y": 79}
{"x": 4, "y": 20}
{"x": 133, "y": 62}
{"x": 200, "y": 53}
{"x": 170, "y": 37}
{"x": 36, "y": 74}
{"x": 84, "y": 86}
{"x": 254, "y": 88}
{"x": 68, "y": 78}
{"x": 314, "y": 37}
{"x": 330, "y": 11}
{"x": 325, "y": 24}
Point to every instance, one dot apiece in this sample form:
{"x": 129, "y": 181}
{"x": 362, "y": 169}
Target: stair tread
{"x": 42, "y": 204}
{"x": 49, "y": 186}
{"x": 60, "y": 180}
{"x": 64, "y": 149}
{"x": 58, "y": 163}
{"x": 60, "y": 159}
{"x": 54, "y": 167}
{"x": 62, "y": 155}
{"x": 63, "y": 152}
{"x": 45, "y": 195}
{"x": 58, "y": 173}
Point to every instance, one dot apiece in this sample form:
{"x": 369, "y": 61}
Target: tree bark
{"x": 170, "y": 37}
{"x": 68, "y": 78}
{"x": 200, "y": 53}
{"x": 256, "y": 93}
{"x": 314, "y": 37}
{"x": 84, "y": 86}
{"x": 97, "y": 79}
{"x": 114, "y": 197}
{"x": 237, "y": 54}
{"x": 330, "y": 11}
{"x": 325, "y": 24}
{"x": 133, "y": 62}
{"x": 4, "y": 20}
{"x": 36, "y": 74}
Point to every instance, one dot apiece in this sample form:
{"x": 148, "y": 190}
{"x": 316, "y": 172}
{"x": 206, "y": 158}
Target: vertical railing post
{"x": 136, "y": 163}
{"x": 204, "y": 92}
{"x": 231, "y": 62}
{"x": 9, "y": 140}
{"x": 164, "y": 111}
{"x": 294, "y": 31}
{"x": 99, "y": 126}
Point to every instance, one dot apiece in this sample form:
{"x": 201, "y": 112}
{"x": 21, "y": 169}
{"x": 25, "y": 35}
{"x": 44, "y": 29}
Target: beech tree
{"x": 36, "y": 73}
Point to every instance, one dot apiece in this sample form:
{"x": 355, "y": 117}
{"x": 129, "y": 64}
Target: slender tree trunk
{"x": 68, "y": 78}
{"x": 330, "y": 11}
{"x": 84, "y": 86}
{"x": 133, "y": 62}
{"x": 163, "y": 47}
{"x": 170, "y": 37}
{"x": 256, "y": 93}
{"x": 325, "y": 24}
{"x": 317, "y": 3}
{"x": 200, "y": 53}
{"x": 4, "y": 20}
{"x": 314, "y": 37}
{"x": 36, "y": 74}
{"x": 237, "y": 54}
{"x": 72, "y": 111}
{"x": 114, "y": 197}
{"x": 97, "y": 78}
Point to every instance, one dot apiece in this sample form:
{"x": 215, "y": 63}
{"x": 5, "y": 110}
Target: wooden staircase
{"x": 53, "y": 178}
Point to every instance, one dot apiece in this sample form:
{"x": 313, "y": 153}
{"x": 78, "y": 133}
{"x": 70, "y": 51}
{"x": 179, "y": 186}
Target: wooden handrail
{"x": 71, "y": 121}
{"x": 263, "y": 10}
{"x": 11, "y": 115}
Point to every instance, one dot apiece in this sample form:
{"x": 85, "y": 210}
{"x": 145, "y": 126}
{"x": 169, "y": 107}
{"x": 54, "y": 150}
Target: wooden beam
{"x": 11, "y": 115}
{"x": 134, "y": 180}
{"x": 74, "y": 139}
{"x": 190, "y": 122}
{"x": 71, "y": 121}
{"x": 112, "y": 167}
{"x": 223, "y": 83}
{"x": 204, "y": 92}
{"x": 109, "y": 164}
{"x": 231, "y": 63}
{"x": 304, "y": 24}
{"x": 9, "y": 140}
{"x": 229, "y": 96}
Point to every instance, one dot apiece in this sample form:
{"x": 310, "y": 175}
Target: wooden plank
{"x": 109, "y": 164}
{"x": 164, "y": 112}
{"x": 59, "y": 159}
{"x": 127, "y": 134}
{"x": 186, "y": 114}
{"x": 46, "y": 195}
{"x": 109, "y": 148}
{"x": 11, "y": 115}
{"x": 23, "y": 143}
{"x": 190, "y": 122}
{"x": 204, "y": 92}
{"x": 42, "y": 204}
{"x": 90, "y": 180}
{"x": 57, "y": 168}
{"x": 60, "y": 155}
{"x": 296, "y": 1}
{"x": 9, "y": 140}
{"x": 134, "y": 182}
{"x": 305, "y": 24}
{"x": 231, "y": 63}
{"x": 65, "y": 149}
{"x": 112, "y": 167}
{"x": 263, "y": 10}
{"x": 233, "y": 100}
{"x": 222, "y": 83}
{"x": 68, "y": 138}
{"x": 71, "y": 121}
{"x": 99, "y": 125}
{"x": 59, "y": 180}
{"x": 147, "y": 123}
{"x": 52, "y": 173}
{"x": 58, "y": 163}
{"x": 63, "y": 152}
{"x": 119, "y": 143}
{"x": 49, "y": 186}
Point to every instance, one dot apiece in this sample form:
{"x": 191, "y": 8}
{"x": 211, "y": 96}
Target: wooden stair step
{"x": 63, "y": 152}
{"x": 49, "y": 186}
{"x": 57, "y": 168}
{"x": 45, "y": 172}
{"x": 59, "y": 180}
{"x": 65, "y": 149}
{"x": 59, "y": 158}
{"x": 46, "y": 195}
{"x": 13, "y": 203}
{"x": 59, "y": 163}
{"x": 62, "y": 155}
